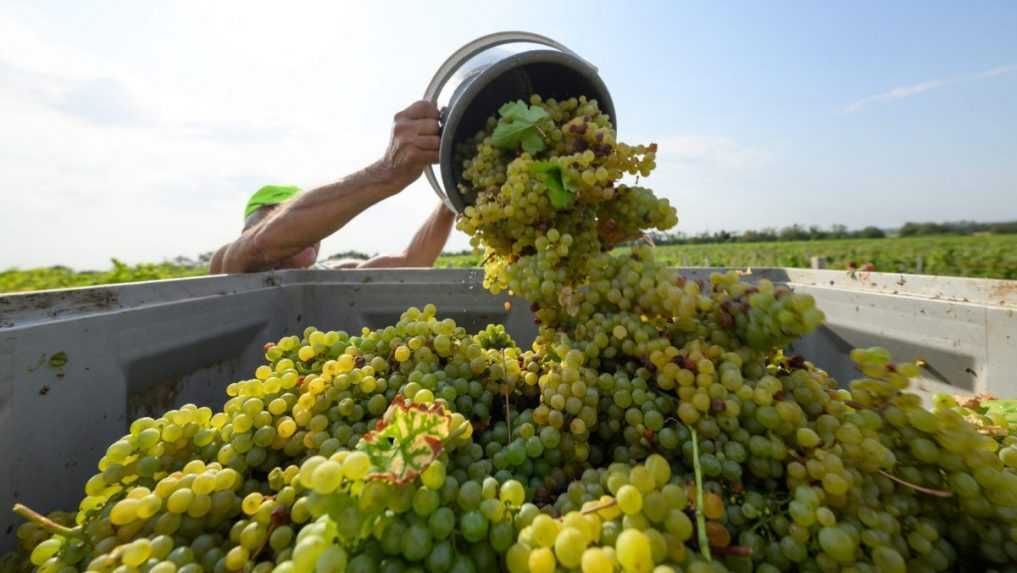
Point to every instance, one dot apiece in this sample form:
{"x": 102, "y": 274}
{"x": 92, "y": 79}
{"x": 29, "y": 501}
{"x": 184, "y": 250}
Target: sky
{"x": 137, "y": 130}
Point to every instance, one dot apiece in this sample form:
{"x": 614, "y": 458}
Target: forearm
{"x": 426, "y": 245}
{"x": 314, "y": 215}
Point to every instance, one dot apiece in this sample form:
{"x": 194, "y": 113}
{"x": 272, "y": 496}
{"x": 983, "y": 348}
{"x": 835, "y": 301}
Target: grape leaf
{"x": 406, "y": 440}
{"x": 532, "y": 143}
{"x": 518, "y": 126}
{"x": 1007, "y": 407}
{"x": 517, "y": 110}
{"x": 559, "y": 190}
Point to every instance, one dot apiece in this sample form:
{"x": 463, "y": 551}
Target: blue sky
{"x": 137, "y": 130}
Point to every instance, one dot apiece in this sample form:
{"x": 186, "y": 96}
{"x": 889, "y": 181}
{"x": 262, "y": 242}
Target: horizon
{"x": 891, "y": 233}
{"x": 765, "y": 115}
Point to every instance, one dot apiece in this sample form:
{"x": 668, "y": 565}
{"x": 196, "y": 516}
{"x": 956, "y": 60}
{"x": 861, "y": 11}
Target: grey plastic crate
{"x": 139, "y": 349}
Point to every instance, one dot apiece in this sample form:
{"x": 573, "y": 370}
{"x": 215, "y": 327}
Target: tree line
{"x": 817, "y": 233}
{"x": 765, "y": 235}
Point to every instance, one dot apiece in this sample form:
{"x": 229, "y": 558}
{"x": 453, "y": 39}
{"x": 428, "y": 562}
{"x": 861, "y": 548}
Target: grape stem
{"x": 47, "y": 523}
{"x": 916, "y": 487}
{"x": 602, "y": 505}
{"x": 704, "y": 542}
{"x": 508, "y": 416}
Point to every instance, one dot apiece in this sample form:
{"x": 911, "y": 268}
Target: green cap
{"x": 269, "y": 195}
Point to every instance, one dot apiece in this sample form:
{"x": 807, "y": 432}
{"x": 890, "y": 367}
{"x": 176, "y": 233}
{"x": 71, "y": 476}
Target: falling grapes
{"x": 657, "y": 424}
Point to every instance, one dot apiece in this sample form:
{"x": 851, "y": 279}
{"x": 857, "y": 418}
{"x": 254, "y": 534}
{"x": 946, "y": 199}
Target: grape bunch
{"x": 656, "y": 424}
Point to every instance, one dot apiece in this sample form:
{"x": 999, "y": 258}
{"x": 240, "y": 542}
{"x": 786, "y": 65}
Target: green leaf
{"x": 513, "y": 110}
{"x": 1007, "y": 407}
{"x": 518, "y": 125}
{"x": 519, "y": 111}
{"x": 406, "y": 440}
{"x": 532, "y": 142}
{"x": 559, "y": 190}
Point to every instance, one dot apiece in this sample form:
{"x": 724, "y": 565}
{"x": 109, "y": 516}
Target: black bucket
{"x": 481, "y": 76}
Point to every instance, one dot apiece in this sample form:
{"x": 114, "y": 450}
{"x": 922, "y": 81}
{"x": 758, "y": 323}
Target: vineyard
{"x": 15, "y": 280}
{"x": 986, "y": 256}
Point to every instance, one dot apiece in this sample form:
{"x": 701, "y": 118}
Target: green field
{"x": 15, "y": 280}
{"x": 987, "y": 256}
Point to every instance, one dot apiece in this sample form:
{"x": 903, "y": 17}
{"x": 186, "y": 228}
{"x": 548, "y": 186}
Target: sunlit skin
{"x": 289, "y": 235}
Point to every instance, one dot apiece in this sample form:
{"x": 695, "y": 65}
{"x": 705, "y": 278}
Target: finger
{"x": 421, "y": 110}
{"x": 428, "y": 127}
{"x": 427, "y": 142}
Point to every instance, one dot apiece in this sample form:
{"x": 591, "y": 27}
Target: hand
{"x": 414, "y": 144}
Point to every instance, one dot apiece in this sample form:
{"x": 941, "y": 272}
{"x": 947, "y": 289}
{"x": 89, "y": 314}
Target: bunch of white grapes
{"x": 656, "y": 424}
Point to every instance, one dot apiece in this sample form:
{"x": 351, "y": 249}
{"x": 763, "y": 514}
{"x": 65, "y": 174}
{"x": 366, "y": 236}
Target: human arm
{"x": 424, "y": 248}
{"x": 215, "y": 265}
{"x": 293, "y": 227}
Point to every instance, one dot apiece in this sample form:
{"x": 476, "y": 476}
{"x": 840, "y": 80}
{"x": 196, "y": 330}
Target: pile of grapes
{"x": 656, "y": 425}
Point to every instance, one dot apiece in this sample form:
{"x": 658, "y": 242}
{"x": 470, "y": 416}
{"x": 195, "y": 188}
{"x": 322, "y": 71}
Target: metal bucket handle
{"x": 460, "y": 56}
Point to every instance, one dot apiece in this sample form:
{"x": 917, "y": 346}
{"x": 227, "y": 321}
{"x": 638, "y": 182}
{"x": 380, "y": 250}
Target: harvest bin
{"x": 77, "y": 365}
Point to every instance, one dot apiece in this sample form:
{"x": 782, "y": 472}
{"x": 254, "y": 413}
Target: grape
{"x": 356, "y": 465}
{"x": 441, "y": 522}
{"x": 474, "y": 526}
{"x": 569, "y": 547}
{"x": 541, "y": 560}
{"x": 517, "y": 559}
{"x": 326, "y": 477}
{"x": 137, "y": 552}
{"x": 434, "y": 475}
{"x": 596, "y": 560}
{"x": 634, "y": 553}
{"x": 332, "y": 559}
{"x": 512, "y": 493}
{"x": 630, "y": 500}
{"x": 441, "y": 557}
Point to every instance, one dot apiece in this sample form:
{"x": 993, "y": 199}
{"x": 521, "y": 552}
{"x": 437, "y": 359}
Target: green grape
{"x": 333, "y": 558}
{"x": 545, "y": 530}
{"x": 596, "y": 560}
{"x": 179, "y": 500}
{"x": 327, "y": 477}
{"x": 137, "y": 552}
{"x": 433, "y": 476}
{"x": 512, "y": 493}
{"x": 425, "y": 501}
{"x": 45, "y": 550}
{"x": 441, "y": 557}
{"x": 416, "y": 544}
{"x": 569, "y": 547}
{"x": 473, "y": 526}
{"x": 356, "y": 466}
{"x": 517, "y": 558}
{"x": 441, "y": 522}
{"x": 630, "y": 500}
{"x": 634, "y": 553}
{"x": 541, "y": 560}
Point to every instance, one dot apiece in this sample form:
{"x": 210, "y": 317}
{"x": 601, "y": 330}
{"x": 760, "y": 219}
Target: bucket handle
{"x": 460, "y": 56}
